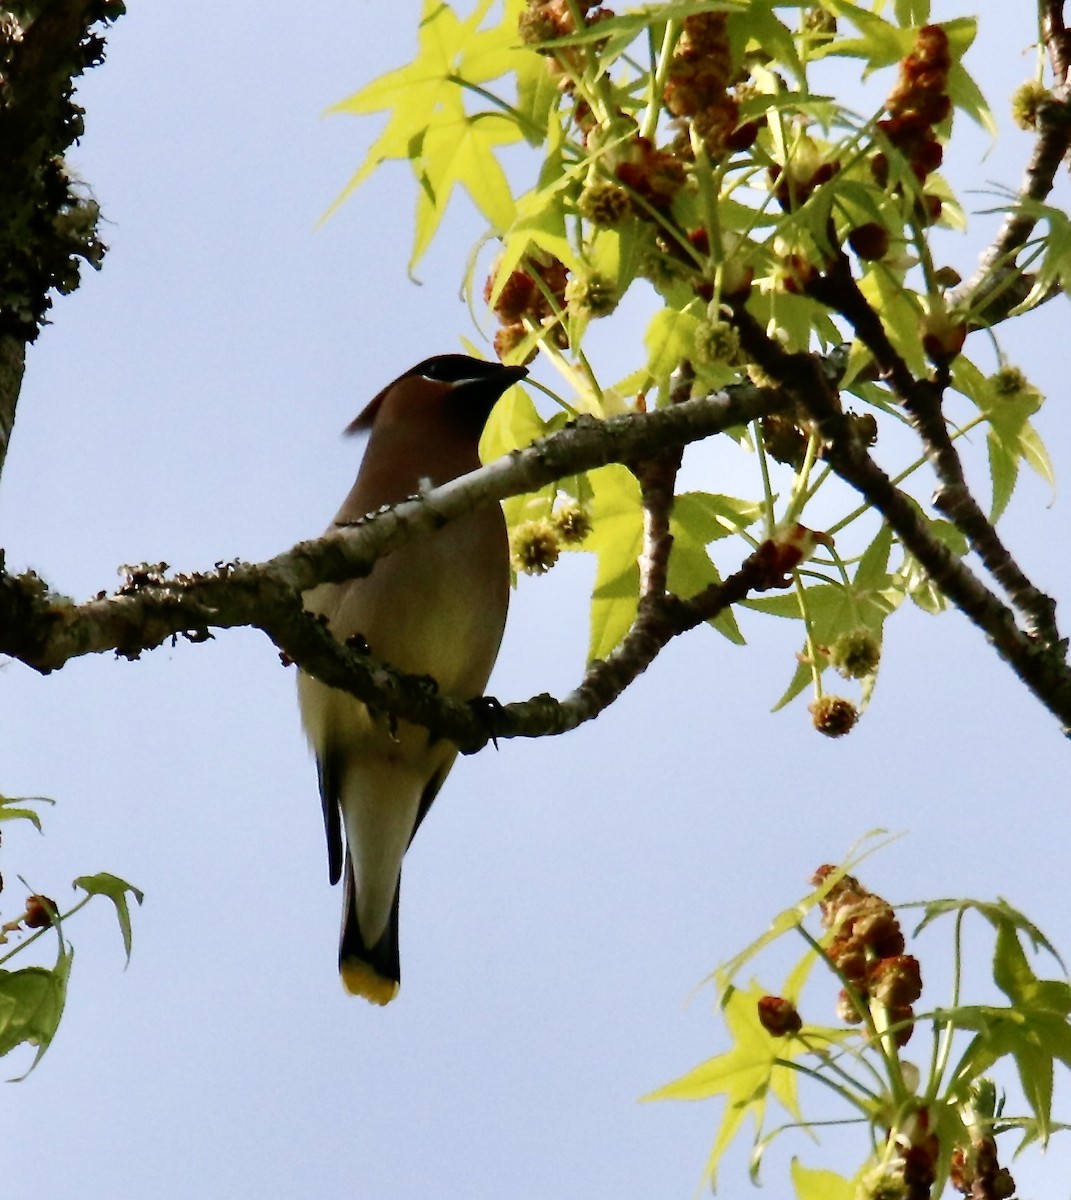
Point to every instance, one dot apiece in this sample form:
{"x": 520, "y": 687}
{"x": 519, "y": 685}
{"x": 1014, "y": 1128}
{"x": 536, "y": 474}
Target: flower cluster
{"x": 917, "y": 103}
{"x": 541, "y": 23}
{"x": 545, "y": 20}
{"x": 698, "y": 92}
{"x": 908, "y": 1167}
{"x": 532, "y": 296}
{"x": 882, "y": 982}
{"x": 867, "y": 948}
{"x": 977, "y": 1172}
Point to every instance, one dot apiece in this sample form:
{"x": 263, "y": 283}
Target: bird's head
{"x": 463, "y": 388}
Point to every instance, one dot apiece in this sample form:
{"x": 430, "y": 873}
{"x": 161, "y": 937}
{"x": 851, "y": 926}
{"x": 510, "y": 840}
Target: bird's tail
{"x": 373, "y": 972}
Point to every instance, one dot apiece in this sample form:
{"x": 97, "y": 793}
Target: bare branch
{"x": 657, "y": 478}
{"x": 46, "y": 224}
{"x": 1057, "y": 40}
{"x": 45, "y": 631}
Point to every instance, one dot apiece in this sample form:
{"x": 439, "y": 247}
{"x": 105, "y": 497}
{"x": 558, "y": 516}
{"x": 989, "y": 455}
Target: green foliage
{"x": 32, "y": 998}
{"x": 746, "y": 1075}
{"x": 688, "y": 156}
{"x": 922, "y": 1130}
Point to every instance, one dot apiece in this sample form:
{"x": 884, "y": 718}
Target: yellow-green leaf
{"x": 745, "y": 1075}
{"x": 117, "y": 891}
{"x": 460, "y": 149}
{"x": 670, "y": 339}
{"x": 31, "y": 1004}
{"x": 13, "y": 808}
{"x": 820, "y": 1185}
{"x": 616, "y": 537}
{"x": 429, "y": 125}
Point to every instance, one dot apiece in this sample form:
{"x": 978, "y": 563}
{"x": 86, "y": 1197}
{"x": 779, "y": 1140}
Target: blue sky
{"x": 567, "y": 895}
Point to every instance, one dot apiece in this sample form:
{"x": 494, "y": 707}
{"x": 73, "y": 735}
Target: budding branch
{"x": 45, "y": 631}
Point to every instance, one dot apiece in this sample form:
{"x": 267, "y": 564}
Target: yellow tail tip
{"x": 360, "y": 979}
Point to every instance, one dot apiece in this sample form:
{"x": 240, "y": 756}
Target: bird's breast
{"x": 436, "y": 606}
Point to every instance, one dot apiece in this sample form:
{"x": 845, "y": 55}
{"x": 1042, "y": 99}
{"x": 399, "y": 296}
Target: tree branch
{"x": 46, "y": 224}
{"x": 1057, "y": 39}
{"x": 1042, "y": 668}
{"x": 922, "y": 400}
{"x": 45, "y": 631}
{"x": 12, "y": 368}
{"x": 998, "y": 285}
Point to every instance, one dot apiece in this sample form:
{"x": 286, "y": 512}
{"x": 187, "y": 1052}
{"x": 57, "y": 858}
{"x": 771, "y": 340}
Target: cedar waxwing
{"x": 435, "y": 606}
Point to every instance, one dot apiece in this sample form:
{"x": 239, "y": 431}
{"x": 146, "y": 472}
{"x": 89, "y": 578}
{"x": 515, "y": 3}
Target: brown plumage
{"x": 436, "y": 606}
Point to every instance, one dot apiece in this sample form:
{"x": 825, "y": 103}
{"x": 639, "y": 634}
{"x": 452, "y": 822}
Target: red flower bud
{"x": 779, "y": 1016}
{"x": 41, "y": 912}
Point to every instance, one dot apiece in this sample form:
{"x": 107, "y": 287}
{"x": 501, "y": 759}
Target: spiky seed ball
{"x": 717, "y": 342}
{"x": 1026, "y": 103}
{"x": 604, "y": 204}
{"x": 591, "y": 295}
{"x": 534, "y": 547}
{"x": 856, "y": 655}
{"x": 572, "y": 522}
{"x": 833, "y": 716}
{"x": 1008, "y": 382}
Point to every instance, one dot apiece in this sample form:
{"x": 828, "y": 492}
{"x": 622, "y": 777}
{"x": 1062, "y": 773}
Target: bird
{"x": 436, "y": 606}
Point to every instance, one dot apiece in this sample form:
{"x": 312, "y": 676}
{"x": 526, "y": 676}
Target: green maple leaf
{"x": 429, "y": 126}
{"x": 698, "y": 518}
{"x": 1034, "y": 1029}
{"x": 744, "y": 1075}
{"x": 820, "y": 1185}
{"x": 117, "y": 891}
{"x": 31, "y": 1004}
{"x": 617, "y": 538}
